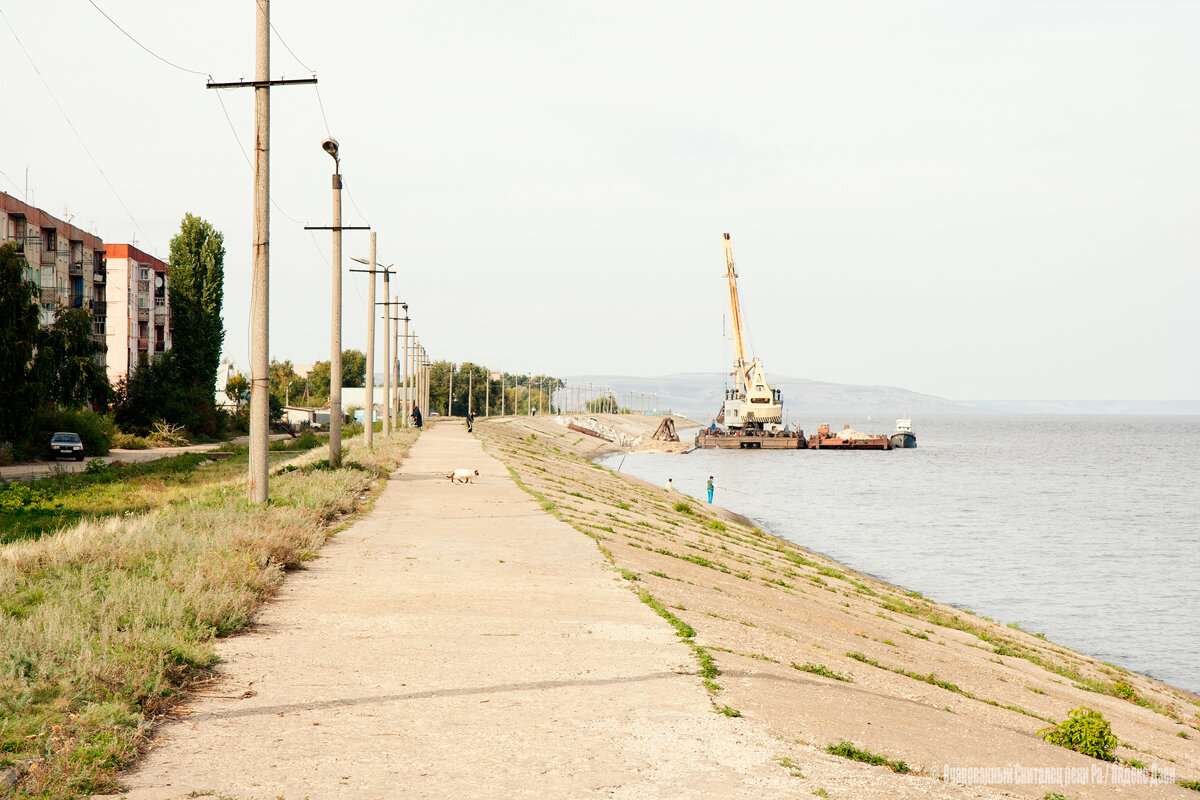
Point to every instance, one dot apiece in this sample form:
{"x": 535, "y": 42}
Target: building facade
{"x": 125, "y": 289}
{"x": 65, "y": 263}
{"x": 139, "y": 309}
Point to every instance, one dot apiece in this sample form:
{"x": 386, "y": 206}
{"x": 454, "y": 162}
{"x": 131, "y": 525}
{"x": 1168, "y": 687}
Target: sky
{"x": 972, "y": 200}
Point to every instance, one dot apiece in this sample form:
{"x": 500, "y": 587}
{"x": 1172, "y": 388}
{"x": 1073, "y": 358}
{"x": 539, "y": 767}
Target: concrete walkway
{"x": 458, "y": 642}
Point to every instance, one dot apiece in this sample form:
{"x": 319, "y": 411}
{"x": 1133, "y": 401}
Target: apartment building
{"x": 139, "y": 309}
{"x": 64, "y": 262}
{"x": 126, "y": 289}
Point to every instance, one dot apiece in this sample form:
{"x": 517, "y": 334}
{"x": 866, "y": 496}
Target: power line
{"x": 10, "y": 180}
{"x": 74, "y": 130}
{"x": 279, "y": 36}
{"x": 139, "y": 44}
{"x": 238, "y": 139}
{"x": 353, "y": 203}
{"x": 321, "y": 105}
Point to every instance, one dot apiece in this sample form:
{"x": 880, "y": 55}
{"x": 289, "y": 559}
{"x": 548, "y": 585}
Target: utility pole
{"x": 335, "y": 326}
{"x": 406, "y": 410}
{"x": 330, "y": 146}
{"x": 260, "y": 292}
{"x": 370, "y": 410}
{"x": 395, "y": 367}
{"x": 260, "y": 381}
{"x": 450, "y": 392}
{"x": 470, "y": 388}
{"x": 387, "y": 358}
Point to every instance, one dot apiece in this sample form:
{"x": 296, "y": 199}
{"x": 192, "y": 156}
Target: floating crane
{"x": 753, "y": 409}
{"x": 752, "y": 403}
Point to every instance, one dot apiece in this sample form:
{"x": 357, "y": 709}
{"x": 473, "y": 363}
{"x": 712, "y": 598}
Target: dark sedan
{"x": 66, "y": 444}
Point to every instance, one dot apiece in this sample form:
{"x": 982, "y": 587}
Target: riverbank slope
{"x": 819, "y": 654}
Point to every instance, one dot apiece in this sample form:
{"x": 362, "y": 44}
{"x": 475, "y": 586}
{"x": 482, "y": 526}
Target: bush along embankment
{"x": 105, "y": 625}
{"x": 824, "y": 655}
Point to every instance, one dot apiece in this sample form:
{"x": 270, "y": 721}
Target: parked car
{"x": 66, "y": 444}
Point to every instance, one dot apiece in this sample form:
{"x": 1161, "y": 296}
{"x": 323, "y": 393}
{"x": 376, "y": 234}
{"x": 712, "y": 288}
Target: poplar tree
{"x": 197, "y": 278}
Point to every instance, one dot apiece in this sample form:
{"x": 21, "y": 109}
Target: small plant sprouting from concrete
{"x": 850, "y": 751}
{"x": 822, "y": 670}
{"x": 729, "y": 712}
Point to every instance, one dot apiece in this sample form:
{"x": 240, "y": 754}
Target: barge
{"x": 847, "y": 439}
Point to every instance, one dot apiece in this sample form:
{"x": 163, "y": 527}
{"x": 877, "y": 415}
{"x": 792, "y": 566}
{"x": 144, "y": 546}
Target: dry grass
{"x": 103, "y": 626}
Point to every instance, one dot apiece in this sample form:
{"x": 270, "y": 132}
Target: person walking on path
{"x": 416, "y": 416}
{"x": 710, "y": 489}
{"x": 470, "y": 422}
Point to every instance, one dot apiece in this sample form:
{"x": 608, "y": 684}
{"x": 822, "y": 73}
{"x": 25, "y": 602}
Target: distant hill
{"x": 1145, "y": 407}
{"x": 698, "y": 395}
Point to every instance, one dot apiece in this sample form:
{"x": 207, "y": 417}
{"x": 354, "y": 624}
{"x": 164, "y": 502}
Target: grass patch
{"x": 729, "y": 712}
{"x": 850, "y": 751}
{"x": 822, "y": 670}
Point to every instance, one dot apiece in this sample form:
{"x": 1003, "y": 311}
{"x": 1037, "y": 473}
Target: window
{"x": 99, "y": 325}
{"x": 144, "y": 274}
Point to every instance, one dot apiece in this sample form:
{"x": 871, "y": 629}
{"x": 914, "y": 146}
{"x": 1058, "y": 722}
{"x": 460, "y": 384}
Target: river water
{"x": 1086, "y": 529}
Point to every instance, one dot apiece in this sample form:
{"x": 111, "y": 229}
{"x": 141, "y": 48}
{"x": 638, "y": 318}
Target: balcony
{"x": 143, "y": 344}
{"x": 143, "y": 315}
{"x": 49, "y": 294}
{"x": 159, "y": 347}
{"x": 98, "y": 277}
{"x": 76, "y": 268}
{"x": 48, "y": 257}
{"x": 98, "y": 306}
{"x": 143, "y": 287}
{"x": 76, "y": 301}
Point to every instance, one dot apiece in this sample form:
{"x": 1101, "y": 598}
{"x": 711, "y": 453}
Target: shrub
{"x": 683, "y": 508}
{"x": 1084, "y": 731}
{"x": 129, "y": 441}
{"x": 6, "y": 454}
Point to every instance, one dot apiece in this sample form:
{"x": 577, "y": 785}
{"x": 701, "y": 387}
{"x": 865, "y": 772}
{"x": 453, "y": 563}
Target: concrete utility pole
{"x": 450, "y": 392}
{"x": 260, "y": 379}
{"x": 394, "y": 366}
{"x": 373, "y": 269}
{"x": 335, "y": 338}
{"x": 406, "y": 409}
{"x": 387, "y": 358}
{"x": 369, "y": 414}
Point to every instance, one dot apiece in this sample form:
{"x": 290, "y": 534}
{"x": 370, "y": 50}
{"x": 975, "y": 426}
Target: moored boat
{"x": 904, "y": 436}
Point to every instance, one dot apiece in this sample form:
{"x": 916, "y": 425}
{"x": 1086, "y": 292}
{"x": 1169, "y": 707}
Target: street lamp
{"x": 330, "y": 146}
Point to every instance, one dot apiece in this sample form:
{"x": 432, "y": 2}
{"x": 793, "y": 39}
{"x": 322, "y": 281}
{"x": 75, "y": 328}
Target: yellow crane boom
{"x": 735, "y": 307}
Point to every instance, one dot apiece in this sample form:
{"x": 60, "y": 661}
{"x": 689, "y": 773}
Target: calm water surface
{"x": 1086, "y": 529}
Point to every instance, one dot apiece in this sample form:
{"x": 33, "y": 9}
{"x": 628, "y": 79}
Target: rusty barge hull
{"x": 834, "y": 443}
{"x": 749, "y": 441}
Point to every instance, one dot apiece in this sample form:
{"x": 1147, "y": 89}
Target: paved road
{"x": 457, "y": 642}
{"x": 41, "y": 468}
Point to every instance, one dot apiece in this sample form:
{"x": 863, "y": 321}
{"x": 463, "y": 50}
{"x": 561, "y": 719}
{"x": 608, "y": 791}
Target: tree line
{"x": 473, "y": 389}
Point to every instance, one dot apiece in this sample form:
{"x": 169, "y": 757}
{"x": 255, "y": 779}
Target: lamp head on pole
{"x": 330, "y": 146}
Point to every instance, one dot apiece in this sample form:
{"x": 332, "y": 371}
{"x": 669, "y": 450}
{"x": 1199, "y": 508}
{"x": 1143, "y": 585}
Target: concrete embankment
{"x": 818, "y": 654}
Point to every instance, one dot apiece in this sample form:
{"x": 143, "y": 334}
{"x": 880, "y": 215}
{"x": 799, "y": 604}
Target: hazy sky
{"x": 975, "y": 200}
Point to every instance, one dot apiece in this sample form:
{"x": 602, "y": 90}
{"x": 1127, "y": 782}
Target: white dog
{"x": 463, "y": 475}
